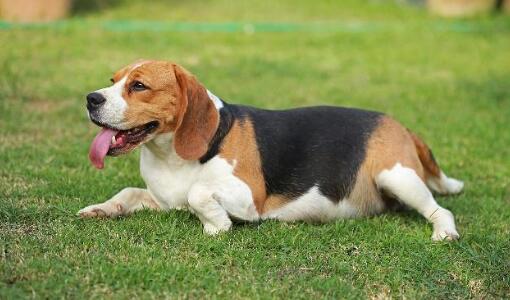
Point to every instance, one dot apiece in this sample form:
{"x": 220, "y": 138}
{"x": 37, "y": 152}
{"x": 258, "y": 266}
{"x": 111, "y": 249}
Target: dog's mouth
{"x": 113, "y": 142}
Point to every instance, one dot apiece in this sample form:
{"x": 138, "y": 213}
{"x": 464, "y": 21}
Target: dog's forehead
{"x": 120, "y": 74}
{"x": 150, "y": 69}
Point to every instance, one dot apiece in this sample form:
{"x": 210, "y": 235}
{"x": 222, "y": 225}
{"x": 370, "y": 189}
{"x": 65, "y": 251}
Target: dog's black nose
{"x": 94, "y": 100}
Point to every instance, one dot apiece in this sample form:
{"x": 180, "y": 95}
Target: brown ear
{"x": 197, "y": 120}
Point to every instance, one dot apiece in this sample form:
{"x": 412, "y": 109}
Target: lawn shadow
{"x": 493, "y": 91}
{"x": 81, "y": 7}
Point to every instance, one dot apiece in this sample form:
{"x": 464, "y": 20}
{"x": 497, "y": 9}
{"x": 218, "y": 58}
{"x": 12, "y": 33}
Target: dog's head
{"x": 148, "y": 98}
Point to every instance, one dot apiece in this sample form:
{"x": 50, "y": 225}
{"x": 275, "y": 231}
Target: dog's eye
{"x": 137, "y": 86}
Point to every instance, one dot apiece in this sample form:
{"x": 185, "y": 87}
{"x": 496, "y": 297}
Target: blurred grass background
{"x": 446, "y": 79}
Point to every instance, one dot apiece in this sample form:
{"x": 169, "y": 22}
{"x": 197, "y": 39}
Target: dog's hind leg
{"x": 436, "y": 180}
{"x": 125, "y": 202}
{"x": 409, "y": 188}
{"x": 445, "y": 185}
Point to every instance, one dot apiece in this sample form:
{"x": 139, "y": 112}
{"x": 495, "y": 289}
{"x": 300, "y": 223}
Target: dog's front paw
{"x": 211, "y": 229}
{"x": 445, "y": 234}
{"x": 103, "y": 210}
{"x": 444, "y": 226}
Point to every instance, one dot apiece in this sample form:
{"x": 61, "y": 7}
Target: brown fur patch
{"x": 240, "y": 148}
{"x": 388, "y": 145}
{"x": 364, "y": 195}
{"x": 121, "y": 73}
{"x": 162, "y": 101}
{"x": 125, "y": 70}
{"x": 274, "y": 202}
{"x": 425, "y": 155}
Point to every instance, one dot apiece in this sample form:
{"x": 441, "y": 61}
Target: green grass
{"x": 448, "y": 80}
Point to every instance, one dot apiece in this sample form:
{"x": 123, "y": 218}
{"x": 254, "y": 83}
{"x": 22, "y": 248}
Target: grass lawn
{"x": 447, "y": 80}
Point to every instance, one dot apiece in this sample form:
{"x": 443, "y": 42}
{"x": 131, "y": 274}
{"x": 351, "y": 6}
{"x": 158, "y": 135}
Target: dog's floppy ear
{"x": 197, "y": 118}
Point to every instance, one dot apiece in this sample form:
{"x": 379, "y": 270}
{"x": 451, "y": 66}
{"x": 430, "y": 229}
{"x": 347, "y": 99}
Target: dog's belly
{"x": 315, "y": 207}
{"x": 364, "y": 200}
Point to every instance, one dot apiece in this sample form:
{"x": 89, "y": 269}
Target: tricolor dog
{"x": 225, "y": 161}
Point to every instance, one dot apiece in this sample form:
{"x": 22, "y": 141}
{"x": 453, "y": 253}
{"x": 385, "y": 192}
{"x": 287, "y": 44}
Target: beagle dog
{"x": 225, "y": 161}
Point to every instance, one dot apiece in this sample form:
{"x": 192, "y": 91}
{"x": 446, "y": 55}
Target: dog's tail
{"x": 436, "y": 180}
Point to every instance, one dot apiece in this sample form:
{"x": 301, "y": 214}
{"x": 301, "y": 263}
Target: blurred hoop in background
{"x": 466, "y": 8}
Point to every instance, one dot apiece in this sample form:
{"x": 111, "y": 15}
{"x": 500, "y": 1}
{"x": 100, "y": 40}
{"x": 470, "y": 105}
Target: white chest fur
{"x": 170, "y": 179}
{"x": 167, "y": 176}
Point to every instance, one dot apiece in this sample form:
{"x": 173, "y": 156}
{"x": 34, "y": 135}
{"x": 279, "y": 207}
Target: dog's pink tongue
{"x": 100, "y": 147}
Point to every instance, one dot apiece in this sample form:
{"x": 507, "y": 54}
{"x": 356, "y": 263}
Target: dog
{"x": 223, "y": 161}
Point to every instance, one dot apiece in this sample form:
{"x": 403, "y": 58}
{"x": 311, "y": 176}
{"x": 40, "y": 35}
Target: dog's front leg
{"x": 203, "y": 203}
{"x": 125, "y": 202}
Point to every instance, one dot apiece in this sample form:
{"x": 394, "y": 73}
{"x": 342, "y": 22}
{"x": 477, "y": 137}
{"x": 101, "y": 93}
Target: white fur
{"x": 210, "y": 190}
{"x": 313, "y": 206}
{"x": 166, "y": 175}
{"x": 217, "y": 102}
{"x": 125, "y": 202}
{"x": 408, "y": 187}
{"x": 112, "y": 111}
{"x": 445, "y": 185}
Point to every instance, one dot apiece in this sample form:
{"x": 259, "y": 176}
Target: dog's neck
{"x": 161, "y": 146}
